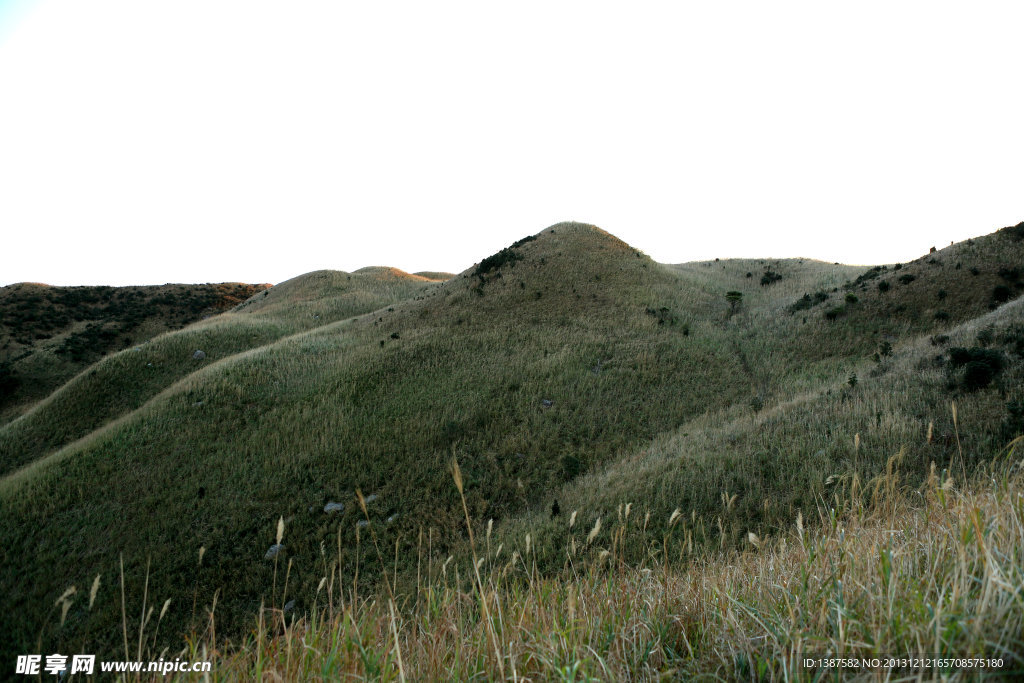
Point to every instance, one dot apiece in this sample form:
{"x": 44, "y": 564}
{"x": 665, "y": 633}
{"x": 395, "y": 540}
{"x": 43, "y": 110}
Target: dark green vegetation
{"x": 49, "y": 334}
{"x": 567, "y": 366}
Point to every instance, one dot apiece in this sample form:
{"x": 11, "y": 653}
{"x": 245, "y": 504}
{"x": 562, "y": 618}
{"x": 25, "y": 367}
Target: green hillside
{"x": 567, "y": 366}
{"x": 122, "y": 382}
{"x": 49, "y": 334}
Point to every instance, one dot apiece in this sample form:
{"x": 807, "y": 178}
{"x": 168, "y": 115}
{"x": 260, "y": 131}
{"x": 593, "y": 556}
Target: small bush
{"x": 851, "y": 298}
{"x": 941, "y": 294}
{"x": 884, "y": 286}
{"x": 835, "y": 312}
{"x": 986, "y": 336}
{"x": 977, "y": 375}
{"x": 663, "y": 314}
{"x": 1010, "y": 274}
{"x": 769, "y": 277}
{"x": 907, "y": 278}
{"x": 1002, "y": 294}
{"x": 808, "y": 301}
{"x": 572, "y": 467}
{"x": 941, "y": 315}
{"x": 980, "y": 366}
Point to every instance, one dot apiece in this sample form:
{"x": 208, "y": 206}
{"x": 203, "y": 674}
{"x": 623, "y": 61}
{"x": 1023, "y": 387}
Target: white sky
{"x": 196, "y": 141}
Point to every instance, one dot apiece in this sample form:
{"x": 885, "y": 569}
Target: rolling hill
{"x": 567, "y": 366}
{"x": 49, "y": 334}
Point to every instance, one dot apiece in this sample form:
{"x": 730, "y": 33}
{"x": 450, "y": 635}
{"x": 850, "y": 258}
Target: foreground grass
{"x": 931, "y": 571}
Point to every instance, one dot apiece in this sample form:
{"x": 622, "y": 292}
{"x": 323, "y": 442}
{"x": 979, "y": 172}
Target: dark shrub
{"x": 980, "y": 366}
{"x": 941, "y": 315}
{"x": 495, "y": 261}
{"x": 883, "y": 286}
{"x": 977, "y": 375}
{"x": 808, "y": 301}
{"x": 941, "y": 294}
{"x": 1010, "y": 274}
{"x": 986, "y": 336}
{"x": 769, "y": 277}
{"x": 1015, "y": 232}
{"x": 571, "y": 467}
{"x": 1001, "y": 294}
{"x": 851, "y": 298}
{"x": 835, "y": 312}
{"x": 907, "y": 278}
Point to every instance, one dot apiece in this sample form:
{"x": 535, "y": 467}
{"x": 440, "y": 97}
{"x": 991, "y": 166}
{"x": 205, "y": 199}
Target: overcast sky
{"x": 149, "y": 142}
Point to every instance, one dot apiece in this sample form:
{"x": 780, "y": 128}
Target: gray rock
{"x": 362, "y": 524}
{"x": 289, "y": 606}
{"x": 370, "y": 498}
{"x": 198, "y": 355}
{"x": 274, "y": 551}
{"x": 546, "y": 402}
{"x": 333, "y": 507}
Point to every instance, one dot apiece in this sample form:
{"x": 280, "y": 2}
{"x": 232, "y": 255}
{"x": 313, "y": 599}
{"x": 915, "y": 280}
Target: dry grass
{"x": 935, "y": 571}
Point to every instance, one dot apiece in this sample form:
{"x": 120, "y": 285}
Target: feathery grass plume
{"x": 754, "y": 540}
{"x": 603, "y": 555}
{"x": 64, "y": 611}
{"x": 594, "y": 532}
{"x": 931, "y": 426}
{"x": 280, "y": 530}
{"x": 71, "y": 590}
{"x": 95, "y": 589}
{"x": 674, "y": 517}
{"x": 490, "y": 527}
{"x": 202, "y": 551}
{"x": 362, "y": 501}
{"x": 320, "y": 586}
{"x": 527, "y": 544}
{"x": 497, "y": 553}
{"x": 457, "y": 474}
{"x": 629, "y": 506}
{"x": 572, "y": 519}
{"x": 163, "y": 610}
{"x": 800, "y": 523}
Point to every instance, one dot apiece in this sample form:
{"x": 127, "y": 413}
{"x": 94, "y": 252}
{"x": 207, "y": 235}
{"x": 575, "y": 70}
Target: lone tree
{"x": 735, "y": 299}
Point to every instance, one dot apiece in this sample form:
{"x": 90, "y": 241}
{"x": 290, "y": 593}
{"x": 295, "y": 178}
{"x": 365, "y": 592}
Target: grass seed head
{"x": 95, "y": 589}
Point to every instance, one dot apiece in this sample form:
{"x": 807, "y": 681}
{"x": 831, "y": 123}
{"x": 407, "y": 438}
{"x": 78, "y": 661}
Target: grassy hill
{"x": 568, "y": 366}
{"x": 49, "y": 334}
{"x": 122, "y": 382}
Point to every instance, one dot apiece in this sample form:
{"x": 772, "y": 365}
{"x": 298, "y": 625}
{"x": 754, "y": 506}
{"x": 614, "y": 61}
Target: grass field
{"x": 567, "y": 367}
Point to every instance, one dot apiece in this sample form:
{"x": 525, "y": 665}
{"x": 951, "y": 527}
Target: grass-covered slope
{"x": 49, "y": 334}
{"x": 121, "y": 382}
{"x": 568, "y": 365}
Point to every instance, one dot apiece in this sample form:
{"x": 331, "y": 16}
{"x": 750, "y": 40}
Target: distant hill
{"x": 49, "y": 334}
{"x": 568, "y": 365}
